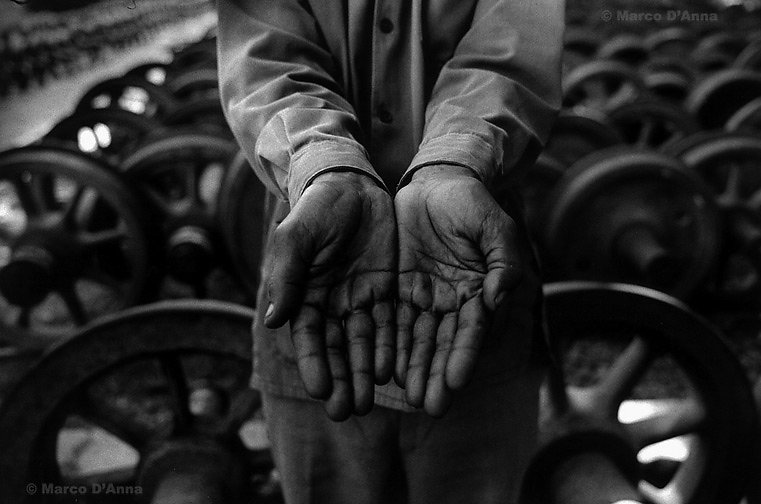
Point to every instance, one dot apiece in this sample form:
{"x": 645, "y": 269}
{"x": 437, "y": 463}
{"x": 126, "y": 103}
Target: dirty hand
{"x": 457, "y": 260}
{"x": 333, "y": 276}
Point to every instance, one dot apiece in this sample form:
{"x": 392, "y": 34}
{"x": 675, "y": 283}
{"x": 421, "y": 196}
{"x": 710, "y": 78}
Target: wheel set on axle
{"x": 679, "y": 101}
{"x": 619, "y": 343}
{"x": 82, "y": 237}
{"x": 143, "y": 194}
{"x": 165, "y": 210}
{"x": 73, "y": 241}
{"x": 167, "y": 384}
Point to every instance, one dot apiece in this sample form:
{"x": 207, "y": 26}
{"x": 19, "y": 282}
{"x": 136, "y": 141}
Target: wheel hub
{"x": 28, "y": 278}
{"x": 190, "y": 254}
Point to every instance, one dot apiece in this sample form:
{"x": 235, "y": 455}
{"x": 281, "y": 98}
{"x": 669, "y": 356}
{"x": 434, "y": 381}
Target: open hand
{"x": 333, "y": 275}
{"x": 457, "y": 260}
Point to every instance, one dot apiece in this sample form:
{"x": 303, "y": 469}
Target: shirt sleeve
{"x": 495, "y": 99}
{"x": 281, "y": 98}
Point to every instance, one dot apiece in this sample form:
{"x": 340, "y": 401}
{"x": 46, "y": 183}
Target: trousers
{"x": 476, "y": 453}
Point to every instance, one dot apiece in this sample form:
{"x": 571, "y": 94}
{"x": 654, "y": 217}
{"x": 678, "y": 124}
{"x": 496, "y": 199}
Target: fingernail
{"x": 498, "y": 300}
{"x": 270, "y": 309}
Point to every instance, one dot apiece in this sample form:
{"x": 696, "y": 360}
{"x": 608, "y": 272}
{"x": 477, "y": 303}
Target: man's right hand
{"x": 333, "y": 275}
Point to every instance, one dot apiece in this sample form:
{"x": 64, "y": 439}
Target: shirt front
{"x": 384, "y": 87}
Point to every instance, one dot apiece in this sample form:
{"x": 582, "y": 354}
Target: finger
{"x": 383, "y": 315}
{"x": 340, "y": 403}
{"x": 499, "y": 245}
{"x": 423, "y": 347}
{"x": 415, "y": 295}
{"x": 438, "y": 396}
{"x": 406, "y": 315}
{"x": 359, "y": 337}
{"x": 307, "y": 335}
{"x": 287, "y": 275}
{"x": 471, "y": 328}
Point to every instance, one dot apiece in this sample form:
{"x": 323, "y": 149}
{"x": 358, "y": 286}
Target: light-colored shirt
{"x": 385, "y": 87}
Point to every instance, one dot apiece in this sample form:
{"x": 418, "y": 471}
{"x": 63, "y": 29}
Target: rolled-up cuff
{"x": 324, "y": 156}
{"x": 461, "y": 149}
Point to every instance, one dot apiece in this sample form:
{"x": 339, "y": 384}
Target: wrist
{"x": 446, "y": 171}
{"x": 346, "y": 176}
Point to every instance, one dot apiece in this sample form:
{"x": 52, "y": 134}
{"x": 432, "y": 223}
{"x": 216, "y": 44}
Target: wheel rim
{"x": 729, "y": 163}
{"x": 617, "y": 190}
{"x": 134, "y": 376}
{"x": 181, "y": 177}
{"x": 716, "y": 408}
{"x": 72, "y": 217}
{"x": 242, "y": 208}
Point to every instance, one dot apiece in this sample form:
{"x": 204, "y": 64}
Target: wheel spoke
{"x": 596, "y": 94}
{"x": 623, "y": 375}
{"x": 178, "y": 387}
{"x": 243, "y": 406}
{"x": 683, "y": 485}
{"x": 683, "y": 417}
{"x": 70, "y": 210}
{"x": 24, "y": 318}
{"x": 733, "y": 184}
{"x": 754, "y": 200}
{"x": 73, "y": 304}
{"x": 159, "y": 200}
{"x": 675, "y": 136}
{"x": 645, "y": 133}
{"x": 123, "y": 429}
{"x": 28, "y": 197}
{"x": 192, "y": 189}
{"x": 102, "y": 278}
{"x": 104, "y": 237}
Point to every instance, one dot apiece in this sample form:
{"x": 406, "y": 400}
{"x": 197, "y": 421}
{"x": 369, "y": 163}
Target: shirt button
{"x": 386, "y": 25}
{"x": 384, "y": 115}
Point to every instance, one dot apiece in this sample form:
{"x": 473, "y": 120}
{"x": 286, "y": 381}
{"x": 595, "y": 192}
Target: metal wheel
{"x": 161, "y": 391}
{"x": 201, "y": 114}
{"x": 242, "y": 217}
{"x": 194, "y": 83}
{"x": 73, "y": 245}
{"x": 109, "y": 132}
{"x": 578, "y": 133}
{"x": 154, "y": 72}
{"x": 750, "y": 57}
{"x": 639, "y": 368}
{"x": 650, "y": 124}
{"x": 670, "y": 63}
{"x": 579, "y": 46}
{"x": 181, "y": 176}
{"x": 747, "y": 118}
{"x": 711, "y": 61}
{"x": 724, "y": 41}
{"x": 731, "y": 165}
{"x": 582, "y": 40}
{"x": 717, "y": 97}
{"x": 602, "y": 85}
{"x": 674, "y": 40}
{"x": 129, "y": 93}
{"x": 202, "y": 54}
{"x": 668, "y": 85}
{"x": 635, "y": 216}
{"x": 626, "y": 48}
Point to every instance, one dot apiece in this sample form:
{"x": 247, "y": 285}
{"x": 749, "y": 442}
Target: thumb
{"x": 504, "y": 268}
{"x": 287, "y": 274}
